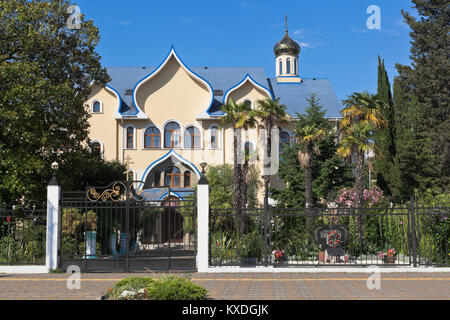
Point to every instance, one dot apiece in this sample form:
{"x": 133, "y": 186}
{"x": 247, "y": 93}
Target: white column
{"x": 202, "y": 226}
{"x": 53, "y": 197}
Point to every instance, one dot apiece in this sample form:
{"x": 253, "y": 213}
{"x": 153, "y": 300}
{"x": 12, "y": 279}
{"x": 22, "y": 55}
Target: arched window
{"x": 130, "y": 138}
{"x": 96, "y": 149}
{"x": 192, "y": 138}
{"x": 281, "y": 67}
{"x": 295, "y": 66}
{"x": 172, "y": 177}
{"x": 130, "y": 175}
{"x": 152, "y": 138}
{"x": 157, "y": 179}
{"x": 172, "y": 135}
{"x": 96, "y": 107}
{"x": 288, "y": 65}
{"x": 187, "y": 179}
{"x": 214, "y": 139}
{"x": 285, "y": 140}
{"x": 248, "y": 104}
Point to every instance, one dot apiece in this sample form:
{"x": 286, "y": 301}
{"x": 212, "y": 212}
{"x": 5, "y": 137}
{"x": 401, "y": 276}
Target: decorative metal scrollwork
{"x": 113, "y": 193}
{"x": 120, "y": 191}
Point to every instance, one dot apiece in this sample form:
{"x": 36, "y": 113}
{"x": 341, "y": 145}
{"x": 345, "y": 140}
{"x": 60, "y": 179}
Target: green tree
{"x": 425, "y": 85}
{"x": 413, "y": 163}
{"x": 309, "y": 137}
{"x": 220, "y": 179}
{"x": 361, "y": 117}
{"x": 270, "y": 113}
{"x": 357, "y": 141}
{"x": 385, "y": 137}
{"x": 329, "y": 173}
{"x": 46, "y": 71}
{"x": 85, "y": 169}
{"x": 238, "y": 116}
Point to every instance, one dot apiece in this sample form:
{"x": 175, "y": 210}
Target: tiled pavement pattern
{"x": 245, "y": 286}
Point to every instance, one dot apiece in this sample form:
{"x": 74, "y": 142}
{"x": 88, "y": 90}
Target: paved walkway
{"x": 244, "y": 286}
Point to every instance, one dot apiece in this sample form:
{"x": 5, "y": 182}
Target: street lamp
{"x": 203, "y": 165}
{"x": 55, "y": 167}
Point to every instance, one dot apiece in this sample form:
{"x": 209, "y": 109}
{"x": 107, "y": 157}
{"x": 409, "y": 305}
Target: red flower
{"x": 8, "y": 219}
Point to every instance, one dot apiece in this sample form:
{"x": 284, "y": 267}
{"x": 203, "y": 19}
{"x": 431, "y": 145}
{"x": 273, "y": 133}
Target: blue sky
{"x": 335, "y": 41}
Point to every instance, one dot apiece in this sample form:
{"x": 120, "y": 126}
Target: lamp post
{"x": 203, "y": 165}
{"x": 54, "y": 181}
{"x": 203, "y": 179}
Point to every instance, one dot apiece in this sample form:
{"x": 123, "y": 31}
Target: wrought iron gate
{"x": 123, "y": 228}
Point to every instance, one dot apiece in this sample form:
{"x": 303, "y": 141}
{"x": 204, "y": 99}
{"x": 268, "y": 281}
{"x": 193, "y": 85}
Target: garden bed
{"x": 163, "y": 288}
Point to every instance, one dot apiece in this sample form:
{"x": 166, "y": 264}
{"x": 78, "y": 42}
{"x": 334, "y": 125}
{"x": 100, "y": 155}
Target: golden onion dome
{"x": 286, "y": 45}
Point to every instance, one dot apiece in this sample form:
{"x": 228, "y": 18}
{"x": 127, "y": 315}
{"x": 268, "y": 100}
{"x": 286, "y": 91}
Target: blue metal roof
{"x": 158, "y": 194}
{"x": 294, "y": 95}
{"x": 223, "y": 78}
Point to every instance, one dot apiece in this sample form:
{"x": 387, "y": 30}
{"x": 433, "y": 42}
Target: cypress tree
{"x": 427, "y": 81}
{"x": 413, "y": 167}
{"x": 385, "y": 138}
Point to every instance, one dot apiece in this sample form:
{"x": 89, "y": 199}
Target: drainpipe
{"x": 223, "y": 144}
{"x": 123, "y": 142}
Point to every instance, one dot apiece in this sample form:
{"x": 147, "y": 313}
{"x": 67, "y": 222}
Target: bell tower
{"x": 286, "y": 59}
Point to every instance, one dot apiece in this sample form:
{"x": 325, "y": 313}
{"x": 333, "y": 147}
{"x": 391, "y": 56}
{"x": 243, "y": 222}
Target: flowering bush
{"x": 347, "y": 198}
{"x": 278, "y": 254}
{"x": 389, "y": 253}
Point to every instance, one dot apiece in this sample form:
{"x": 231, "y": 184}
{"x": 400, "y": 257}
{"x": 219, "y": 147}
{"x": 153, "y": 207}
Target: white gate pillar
{"x": 202, "y": 224}
{"x": 53, "y": 202}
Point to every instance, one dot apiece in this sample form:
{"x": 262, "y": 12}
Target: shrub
{"x": 164, "y": 288}
{"x": 11, "y": 250}
{"x": 68, "y": 246}
{"x": 132, "y": 284}
{"x": 175, "y": 288}
{"x": 34, "y": 251}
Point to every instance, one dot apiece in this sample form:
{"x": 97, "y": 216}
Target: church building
{"x": 165, "y": 121}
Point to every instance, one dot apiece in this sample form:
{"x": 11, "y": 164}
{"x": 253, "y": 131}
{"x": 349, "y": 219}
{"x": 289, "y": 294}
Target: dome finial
{"x": 286, "y": 25}
{"x": 286, "y": 45}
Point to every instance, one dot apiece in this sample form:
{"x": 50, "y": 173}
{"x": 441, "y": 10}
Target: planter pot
{"x": 390, "y": 260}
{"x": 112, "y": 244}
{"x": 123, "y": 244}
{"x": 91, "y": 243}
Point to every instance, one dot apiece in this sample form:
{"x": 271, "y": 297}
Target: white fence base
{"x": 23, "y": 269}
{"x": 367, "y": 269}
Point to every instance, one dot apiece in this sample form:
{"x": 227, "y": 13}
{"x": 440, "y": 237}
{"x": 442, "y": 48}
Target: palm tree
{"x": 357, "y": 141}
{"x": 361, "y": 117}
{"x": 238, "y": 115}
{"x": 364, "y": 108}
{"x": 309, "y": 137}
{"x": 270, "y": 113}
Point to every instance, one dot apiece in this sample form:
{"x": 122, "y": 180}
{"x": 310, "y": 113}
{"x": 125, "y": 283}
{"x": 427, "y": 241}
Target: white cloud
{"x": 305, "y": 45}
{"x": 299, "y": 32}
{"x": 125, "y": 23}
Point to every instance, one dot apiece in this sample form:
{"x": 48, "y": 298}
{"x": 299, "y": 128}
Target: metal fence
{"x": 330, "y": 237}
{"x": 22, "y": 236}
{"x": 129, "y": 232}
